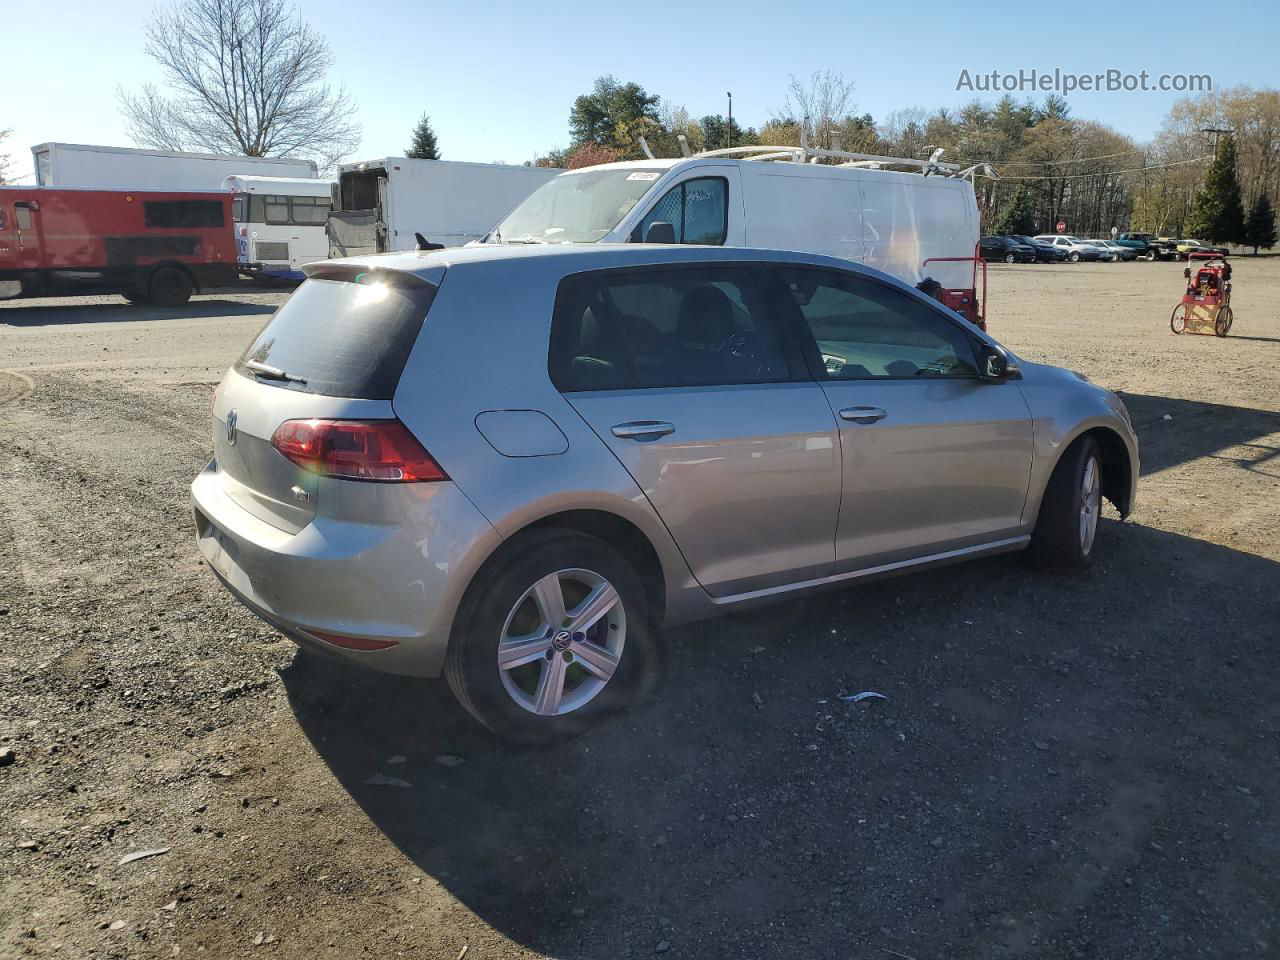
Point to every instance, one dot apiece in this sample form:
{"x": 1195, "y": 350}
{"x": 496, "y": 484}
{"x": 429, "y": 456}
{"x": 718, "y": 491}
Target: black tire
{"x": 169, "y": 287}
{"x": 1222, "y": 323}
{"x": 1178, "y": 320}
{"x": 1010, "y": 258}
{"x": 1057, "y": 544}
{"x": 471, "y": 664}
{"x": 1151, "y": 256}
{"x": 1074, "y": 256}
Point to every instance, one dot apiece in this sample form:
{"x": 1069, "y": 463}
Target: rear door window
{"x": 344, "y": 334}
{"x": 663, "y": 328}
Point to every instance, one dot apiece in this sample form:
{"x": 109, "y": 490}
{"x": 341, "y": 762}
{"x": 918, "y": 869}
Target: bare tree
{"x": 4, "y": 156}
{"x": 242, "y": 76}
{"x": 826, "y": 102}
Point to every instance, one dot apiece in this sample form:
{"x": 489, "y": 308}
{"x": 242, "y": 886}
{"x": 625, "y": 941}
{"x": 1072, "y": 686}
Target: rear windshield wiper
{"x": 268, "y": 372}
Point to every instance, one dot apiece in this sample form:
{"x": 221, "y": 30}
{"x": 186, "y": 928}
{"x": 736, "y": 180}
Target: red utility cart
{"x": 153, "y": 247}
{"x": 1205, "y": 306}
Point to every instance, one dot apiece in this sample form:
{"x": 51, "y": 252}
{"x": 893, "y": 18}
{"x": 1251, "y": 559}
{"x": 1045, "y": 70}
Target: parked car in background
{"x": 1007, "y": 249}
{"x": 1187, "y": 247}
{"x": 1145, "y": 246}
{"x": 515, "y": 464}
{"x": 1046, "y": 252}
{"x": 1121, "y": 252}
{"x": 1075, "y": 248}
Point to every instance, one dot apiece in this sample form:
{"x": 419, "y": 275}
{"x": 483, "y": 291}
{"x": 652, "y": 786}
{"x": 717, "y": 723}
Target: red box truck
{"x": 151, "y": 246}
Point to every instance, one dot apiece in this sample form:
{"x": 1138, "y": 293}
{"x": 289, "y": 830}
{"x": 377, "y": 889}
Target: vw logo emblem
{"x": 231, "y": 428}
{"x": 560, "y": 642}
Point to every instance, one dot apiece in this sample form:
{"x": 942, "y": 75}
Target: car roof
{"x": 575, "y": 257}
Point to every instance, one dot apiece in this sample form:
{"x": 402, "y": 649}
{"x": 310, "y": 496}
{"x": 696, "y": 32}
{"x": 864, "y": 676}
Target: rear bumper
{"x": 399, "y": 581}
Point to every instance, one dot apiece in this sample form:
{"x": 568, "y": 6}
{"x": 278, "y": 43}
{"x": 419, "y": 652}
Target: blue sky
{"x": 498, "y": 77}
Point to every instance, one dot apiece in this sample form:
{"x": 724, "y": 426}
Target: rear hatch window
{"x": 346, "y": 332}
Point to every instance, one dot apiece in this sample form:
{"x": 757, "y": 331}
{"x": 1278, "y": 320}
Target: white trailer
{"x": 384, "y": 203}
{"x": 126, "y": 168}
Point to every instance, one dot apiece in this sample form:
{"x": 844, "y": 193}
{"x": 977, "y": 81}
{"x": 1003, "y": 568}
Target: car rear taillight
{"x": 379, "y": 450}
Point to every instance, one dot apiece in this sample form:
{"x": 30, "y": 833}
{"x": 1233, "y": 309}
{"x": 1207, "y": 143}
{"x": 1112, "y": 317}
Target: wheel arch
{"x": 1117, "y": 465}
{"x": 617, "y": 531}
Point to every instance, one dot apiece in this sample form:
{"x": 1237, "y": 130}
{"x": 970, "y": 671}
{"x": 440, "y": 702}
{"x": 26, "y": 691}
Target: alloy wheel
{"x": 562, "y": 642}
{"x": 1090, "y": 504}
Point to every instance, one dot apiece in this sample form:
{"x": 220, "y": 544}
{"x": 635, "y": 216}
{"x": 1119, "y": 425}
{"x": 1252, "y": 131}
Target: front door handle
{"x": 862, "y": 414}
{"x": 642, "y": 429}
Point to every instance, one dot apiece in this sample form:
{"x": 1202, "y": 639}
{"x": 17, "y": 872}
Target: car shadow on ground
{"x": 46, "y": 314}
{"x": 1064, "y": 765}
{"x": 1195, "y": 429}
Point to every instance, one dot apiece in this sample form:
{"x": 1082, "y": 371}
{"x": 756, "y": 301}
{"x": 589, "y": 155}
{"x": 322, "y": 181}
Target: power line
{"x": 1108, "y": 173}
{"x": 1051, "y": 163}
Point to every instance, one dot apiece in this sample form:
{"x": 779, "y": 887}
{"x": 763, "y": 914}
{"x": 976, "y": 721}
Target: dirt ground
{"x": 1065, "y": 767}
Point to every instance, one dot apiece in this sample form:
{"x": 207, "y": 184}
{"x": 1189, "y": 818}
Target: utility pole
{"x": 1215, "y": 131}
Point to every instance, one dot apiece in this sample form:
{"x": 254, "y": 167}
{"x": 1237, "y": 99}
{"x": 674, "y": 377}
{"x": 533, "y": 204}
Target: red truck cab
{"x": 151, "y": 246}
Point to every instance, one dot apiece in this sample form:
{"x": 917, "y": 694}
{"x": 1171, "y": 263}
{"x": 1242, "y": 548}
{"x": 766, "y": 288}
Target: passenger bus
{"x": 280, "y": 223}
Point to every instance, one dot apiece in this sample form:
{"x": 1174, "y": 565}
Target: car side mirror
{"x": 993, "y": 364}
{"x": 660, "y": 231}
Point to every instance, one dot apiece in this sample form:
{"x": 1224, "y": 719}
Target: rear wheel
{"x": 1067, "y": 527}
{"x": 552, "y": 639}
{"x": 169, "y": 287}
{"x": 1222, "y": 325}
{"x": 1178, "y": 322}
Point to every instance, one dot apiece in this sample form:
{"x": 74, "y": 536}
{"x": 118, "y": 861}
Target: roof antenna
{"x": 425, "y": 244}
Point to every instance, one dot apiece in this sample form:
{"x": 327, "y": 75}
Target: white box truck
{"x": 126, "y": 168}
{"x": 382, "y": 204}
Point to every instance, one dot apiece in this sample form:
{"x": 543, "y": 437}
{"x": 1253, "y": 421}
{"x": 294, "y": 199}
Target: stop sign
{"x": 1062, "y": 226}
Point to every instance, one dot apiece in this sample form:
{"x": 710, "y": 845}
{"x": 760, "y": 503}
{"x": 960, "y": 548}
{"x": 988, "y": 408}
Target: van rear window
{"x": 346, "y": 334}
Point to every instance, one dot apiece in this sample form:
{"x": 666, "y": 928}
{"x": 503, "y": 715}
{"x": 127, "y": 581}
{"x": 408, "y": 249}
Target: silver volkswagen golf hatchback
{"x": 515, "y": 465}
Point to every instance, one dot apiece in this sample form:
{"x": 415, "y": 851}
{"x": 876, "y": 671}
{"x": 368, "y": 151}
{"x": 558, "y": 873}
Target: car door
{"x": 934, "y": 458}
{"x": 704, "y": 209}
{"x": 685, "y": 376}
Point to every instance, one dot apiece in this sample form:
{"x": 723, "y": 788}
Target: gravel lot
{"x": 1079, "y": 767}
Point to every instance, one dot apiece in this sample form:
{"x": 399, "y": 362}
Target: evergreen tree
{"x": 1018, "y": 217}
{"x": 1217, "y": 213}
{"x": 1260, "y": 231}
{"x": 424, "y": 142}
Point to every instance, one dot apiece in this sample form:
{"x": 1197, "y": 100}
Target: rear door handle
{"x": 642, "y": 429}
{"x": 862, "y": 414}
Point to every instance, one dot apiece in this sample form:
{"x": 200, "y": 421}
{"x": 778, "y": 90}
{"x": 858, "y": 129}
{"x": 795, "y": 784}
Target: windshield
{"x": 576, "y": 207}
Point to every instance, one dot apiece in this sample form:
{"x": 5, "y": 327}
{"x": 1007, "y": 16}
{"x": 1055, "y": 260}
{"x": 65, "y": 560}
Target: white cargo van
{"x": 921, "y": 227}
{"x": 383, "y": 204}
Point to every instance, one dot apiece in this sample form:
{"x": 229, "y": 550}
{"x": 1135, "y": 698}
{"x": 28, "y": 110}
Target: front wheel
{"x": 1010, "y": 258}
{"x": 1075, "y": 257}
{"x": 1178, "y": 322}
{"x": 1067, "y": 528}
{"x": 1151, "y": 256}
{"x": 1222, "y": 324}
{"x": 552, "y": 639}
